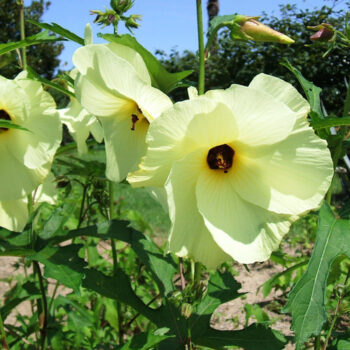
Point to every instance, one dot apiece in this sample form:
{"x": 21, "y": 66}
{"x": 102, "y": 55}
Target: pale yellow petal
{"x": 283, "y": 92}
{"x": 13, "y": 214}
{"x": 180, "y": 131}
{"x": 291, "y": 177}
{"x": 261, "y": 119}
{"x": 189, "y": 237}
{"x": 124, "y": 147}
{"x": 16, "y": 180}
{"x": 244, "y": 231}
{"x": 134, "y": 58}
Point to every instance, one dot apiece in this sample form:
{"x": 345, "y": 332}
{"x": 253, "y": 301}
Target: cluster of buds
{"x": 116, "y": 14}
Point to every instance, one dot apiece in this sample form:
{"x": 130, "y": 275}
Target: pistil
{"x": 220, "y": 157}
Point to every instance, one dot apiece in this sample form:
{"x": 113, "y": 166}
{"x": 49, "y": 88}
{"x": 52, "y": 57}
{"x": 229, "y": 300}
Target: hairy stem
{"x": 3, "y": 335}
{"x": 23, "y": 33}
{"x": 201, "y": 78}
{"x": 336, "y": 315}
{"x": 44, "y": 317}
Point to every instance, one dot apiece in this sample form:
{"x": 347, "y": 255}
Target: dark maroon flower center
{"x": 136, "y": 116}
{"x": 4, "y": 116}
{"x": 220, "y": 157}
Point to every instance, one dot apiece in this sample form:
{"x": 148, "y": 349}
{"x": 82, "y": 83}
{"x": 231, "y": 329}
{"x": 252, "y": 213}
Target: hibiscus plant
{"x": 229, "y": 171}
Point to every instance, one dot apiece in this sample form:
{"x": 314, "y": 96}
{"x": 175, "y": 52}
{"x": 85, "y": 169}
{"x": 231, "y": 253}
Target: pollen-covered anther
{"x": 4, "y": 116}
{"x": 220, "y": 157}
{"x": 134, "y": 119}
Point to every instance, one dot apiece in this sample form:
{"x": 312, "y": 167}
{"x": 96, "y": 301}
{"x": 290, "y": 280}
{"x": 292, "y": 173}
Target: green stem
{"x": 338, "y": 149}
{"x": 197, "y": 273}
{"x": 115, "y": 261}
{"x": 336, "y": 315}
{"x": 81, "y": 216}
{"x": 43, "y": 323}
{"x": 347, "y": 102}
{"x": 317, "y": 343}
{"x": 201, "y": 78}
{"x": 23, "y": 34}
{"x": 53, "y": 296}
{"x": 3, "y": 335}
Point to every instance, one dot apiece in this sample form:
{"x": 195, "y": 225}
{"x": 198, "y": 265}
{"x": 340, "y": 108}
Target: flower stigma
{"x": 220, "y": 157}
{"x": 4, "y": 116}
{"x": 135, "y": 117}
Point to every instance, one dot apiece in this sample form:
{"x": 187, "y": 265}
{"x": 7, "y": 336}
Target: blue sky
{"x": 166, "y": 24}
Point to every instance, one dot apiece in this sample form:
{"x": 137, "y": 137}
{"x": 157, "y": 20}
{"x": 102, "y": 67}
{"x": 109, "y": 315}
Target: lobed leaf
{"x": 144, "y": 341}
{"x": 311, "y": 91}
{"x": 160, "y": 77}
{"x": 56, "y": 28}
{"x": 42, "y": 37}
{"x": 254, "y": 337}
{"x": 162, "y": 267}
{"x": 330, "y": 122}
{"x": 63, "y": 264}
{"x": 307, "y": 298}
{"x": 32, "y": 74}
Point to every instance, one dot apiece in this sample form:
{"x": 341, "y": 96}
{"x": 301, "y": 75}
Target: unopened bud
{"x": 256, "y": 31}
{"x": 324, "y": 32}
{"x": 186, "y": 310}
{"x": 131, "y": 22}
{"x": 121, "y": 6}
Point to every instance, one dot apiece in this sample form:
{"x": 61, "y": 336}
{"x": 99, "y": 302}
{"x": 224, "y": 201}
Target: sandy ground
{"x": 228, "y": 316}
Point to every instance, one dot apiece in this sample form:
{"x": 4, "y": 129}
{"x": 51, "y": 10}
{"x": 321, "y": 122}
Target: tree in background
{"x": 212, "y": 8}
{"x": 239, "y": 62}
{"x": 43, "y": 57}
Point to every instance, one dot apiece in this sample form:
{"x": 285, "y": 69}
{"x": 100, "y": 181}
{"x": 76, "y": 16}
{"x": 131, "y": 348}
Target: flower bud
{"x": 131, "y": 21}
{"x": 121, "y": 6}
{"x": 186, "y": 310}
{"x": 324, "y": 32}
{"x": 252, "y": 29}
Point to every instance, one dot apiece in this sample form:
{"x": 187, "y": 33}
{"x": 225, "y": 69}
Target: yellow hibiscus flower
{"x": 239, "y": 165}
{"x": 24, "y": 153}
{"x": 115, "y": 86}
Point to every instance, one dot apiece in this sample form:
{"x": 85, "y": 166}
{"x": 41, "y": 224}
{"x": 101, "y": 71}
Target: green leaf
{"x": 56, "y": 28}
{"x": 18, "y": 294}
{"x": 160, "y": 77}
{"x": 255, "y": 310}
{"x": 42, "y": 37}
{"x": 144, "y": 341}
{"x": 343, "y": 345}
{"x": 8, "y": 124}
{"x": 162, "y": 266}
{"x": 222, "y": 287}
{"x": 269, "y": 284}
{"x": 330, "y": 122}
{"x": 311, "y": 91}
{"x": 32, "y": 74}
{"x": 254, "y": 337}
{"x": 307, "y": 298}
{"x": 63, "y": 265}
{"x": 100, "y": 283}
{"x": 15, "y": 244}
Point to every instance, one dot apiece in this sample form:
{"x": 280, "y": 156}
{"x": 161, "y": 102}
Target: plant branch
{"x": 43, "y": 321}
{"x": 23, "y": 34}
